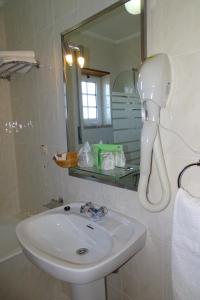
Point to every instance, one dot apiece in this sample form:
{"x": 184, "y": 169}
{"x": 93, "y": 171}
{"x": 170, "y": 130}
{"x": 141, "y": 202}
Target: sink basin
{"x": 75, "y": 248}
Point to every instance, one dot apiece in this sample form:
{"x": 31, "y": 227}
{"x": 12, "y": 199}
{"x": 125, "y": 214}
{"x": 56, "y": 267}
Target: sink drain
{"x": 82, "y": 251}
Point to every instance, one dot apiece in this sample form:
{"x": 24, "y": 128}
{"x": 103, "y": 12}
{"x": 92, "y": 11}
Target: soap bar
{"x": 61, "y": 156}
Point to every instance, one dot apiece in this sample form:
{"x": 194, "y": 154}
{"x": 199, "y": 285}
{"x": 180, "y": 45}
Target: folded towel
{"x": 16, "y": 61}
{"x": 30, "y": 54}
{"x": 17, "y": 56}
{"x": 186, "y": 247}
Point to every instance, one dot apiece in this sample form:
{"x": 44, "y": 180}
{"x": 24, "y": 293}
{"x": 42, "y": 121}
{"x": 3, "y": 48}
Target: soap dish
{"x": 70, "y": 161}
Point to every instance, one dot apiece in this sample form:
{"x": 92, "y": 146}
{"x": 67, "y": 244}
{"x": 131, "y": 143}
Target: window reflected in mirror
{"x": 101, "y": 62}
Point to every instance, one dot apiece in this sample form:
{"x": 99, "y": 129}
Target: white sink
{"x": 52, "y": 240}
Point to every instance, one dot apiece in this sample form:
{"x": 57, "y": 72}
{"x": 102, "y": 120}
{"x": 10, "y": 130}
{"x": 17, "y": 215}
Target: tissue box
{"x": 99, "y": 149}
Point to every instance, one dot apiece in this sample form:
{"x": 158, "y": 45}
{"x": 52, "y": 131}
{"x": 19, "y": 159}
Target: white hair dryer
{"x": 153, "y": 86}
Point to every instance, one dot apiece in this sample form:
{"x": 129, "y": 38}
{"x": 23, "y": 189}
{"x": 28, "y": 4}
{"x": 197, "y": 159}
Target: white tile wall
{"x": 172, "y": 28}
{"x": 9, "y": 200}
{"x": 32, "y": 284}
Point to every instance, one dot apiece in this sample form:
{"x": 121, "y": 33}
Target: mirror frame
{"x": 143, "y": 56}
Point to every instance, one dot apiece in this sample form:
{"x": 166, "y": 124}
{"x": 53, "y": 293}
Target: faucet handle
{"x": 91, "y": 211}
{"x": 102, "y": 211}
{"x": 84, "y": 208}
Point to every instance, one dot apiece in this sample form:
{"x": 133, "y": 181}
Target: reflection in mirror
{"x": 101, "y": 61}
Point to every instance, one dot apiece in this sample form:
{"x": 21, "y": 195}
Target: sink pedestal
{"x": 89, "y": 291}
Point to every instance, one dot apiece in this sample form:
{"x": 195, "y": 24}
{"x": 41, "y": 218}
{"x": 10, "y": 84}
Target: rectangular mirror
{"x": 101, "y": 61}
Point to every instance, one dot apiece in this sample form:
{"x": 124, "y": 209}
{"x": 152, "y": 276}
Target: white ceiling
{"x": 116, "y": 26}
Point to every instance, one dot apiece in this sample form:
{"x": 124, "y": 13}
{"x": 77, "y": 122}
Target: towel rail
{"x": 184, "y": 169}
{"x": 6, "y": 69}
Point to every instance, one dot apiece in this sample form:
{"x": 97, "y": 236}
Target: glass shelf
{"x": 116, "y": 173}
{"x": 125, "y": 177}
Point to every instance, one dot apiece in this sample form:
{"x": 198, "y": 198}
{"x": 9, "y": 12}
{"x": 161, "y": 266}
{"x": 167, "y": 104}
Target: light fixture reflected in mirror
{"x": 69, "y": 59}
{"x": 80, "y": 57}
{"x": 68, "y": 53}
{"x": 133, "y": 7}
{"x": 81, "y": 61}
{"x": 72, "y": 50}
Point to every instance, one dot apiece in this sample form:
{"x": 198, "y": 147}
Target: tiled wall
{"x": 172, "y": 28}
{"x": 8, "y": 176}
{"x": 21, "y": 280}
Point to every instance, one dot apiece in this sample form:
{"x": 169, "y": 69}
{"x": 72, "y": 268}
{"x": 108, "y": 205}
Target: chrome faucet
{"x": 93, "y": 212}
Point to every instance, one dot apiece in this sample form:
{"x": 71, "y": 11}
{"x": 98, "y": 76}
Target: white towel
{"x": 186, "y": 247}
{"x": 17, "y": 56}
{"x": 8, "y": 61}
{"x": 28, "y": 54}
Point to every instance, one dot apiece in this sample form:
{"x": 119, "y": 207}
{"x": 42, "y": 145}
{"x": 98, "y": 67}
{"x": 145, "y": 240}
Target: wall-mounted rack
{"x": 184, "y": 169}
{"x": 11, "y": 67}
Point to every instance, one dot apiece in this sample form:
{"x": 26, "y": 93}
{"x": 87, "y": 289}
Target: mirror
{"x": 101, "y": 61}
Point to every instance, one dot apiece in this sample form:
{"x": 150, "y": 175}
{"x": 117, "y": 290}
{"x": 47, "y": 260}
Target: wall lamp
{"x": 72, "y": 51}
{"x": 133, "y": 7}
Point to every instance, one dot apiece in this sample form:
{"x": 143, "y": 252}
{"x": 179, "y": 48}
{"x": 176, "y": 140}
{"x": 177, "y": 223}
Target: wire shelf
{"x": 11, "y": 67}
